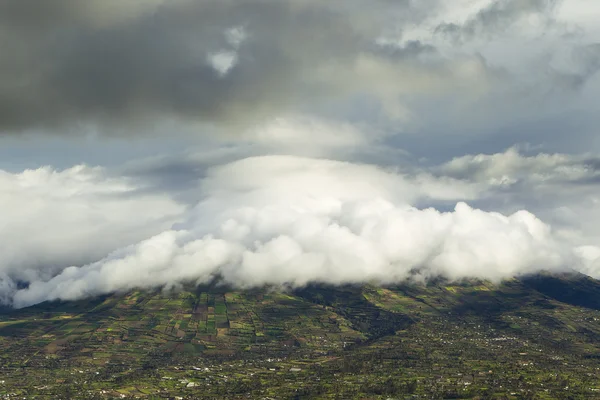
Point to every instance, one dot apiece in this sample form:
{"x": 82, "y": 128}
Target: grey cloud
{"x": 138, "y": 66}
{"x": 410, "y": 50}
{"x": 513, "y": 166}
{"x": 179, "y": 175}
{"x": 497, "y": 17}
{"x": 587, "y": 64}
{"x": 128, "y": 65}
{"x": 61, "y": 66}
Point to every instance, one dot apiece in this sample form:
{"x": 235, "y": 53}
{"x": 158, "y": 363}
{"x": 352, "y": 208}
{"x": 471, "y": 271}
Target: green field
{"x": 524, "y": 339}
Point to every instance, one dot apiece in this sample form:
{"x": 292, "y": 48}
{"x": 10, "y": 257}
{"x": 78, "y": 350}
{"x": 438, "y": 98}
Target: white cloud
{"x": 236, "y": 36}
{"x": 223, "y": 61}
{"x": 283, "y": 220}
{"x": 303, "y": 135}
{"x": 562, "y": 189}
{"x": 511, "y": 167}
{"x": 53, "y": 219}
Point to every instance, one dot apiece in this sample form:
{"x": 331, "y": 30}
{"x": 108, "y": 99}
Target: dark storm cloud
{"x": 67, "y": 61}
{"x": 130, "y": 66}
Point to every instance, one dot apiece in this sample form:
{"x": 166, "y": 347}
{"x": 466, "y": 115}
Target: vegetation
{"x": 535, "y": 338}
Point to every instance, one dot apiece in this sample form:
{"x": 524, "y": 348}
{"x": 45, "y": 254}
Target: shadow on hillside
{"x": 574, "y": 289}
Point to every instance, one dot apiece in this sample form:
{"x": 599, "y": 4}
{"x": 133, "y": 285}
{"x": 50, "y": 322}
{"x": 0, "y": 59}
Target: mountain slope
{"x": 538, "y": 336}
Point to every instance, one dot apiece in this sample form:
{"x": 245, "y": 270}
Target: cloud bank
{"x": 54, "y": 218}
{"x": 289, "y": 221}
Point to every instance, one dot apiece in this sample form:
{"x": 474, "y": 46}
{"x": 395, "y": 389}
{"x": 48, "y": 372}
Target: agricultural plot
{"x": 445, "y": 340}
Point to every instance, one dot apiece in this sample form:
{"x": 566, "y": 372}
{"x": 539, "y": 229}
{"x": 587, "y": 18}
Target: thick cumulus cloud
{"x": 289, "y": 221}
{"x": 560, "y": 188}
{"x": 55, "y": 218}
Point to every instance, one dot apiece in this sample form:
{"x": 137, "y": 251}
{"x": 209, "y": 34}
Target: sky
{"x": 148, "y": 144}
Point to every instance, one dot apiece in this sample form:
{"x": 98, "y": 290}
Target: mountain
{"x": 533, "y": 337}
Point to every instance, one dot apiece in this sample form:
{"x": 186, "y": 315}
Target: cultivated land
{"x": 531, "y": 338}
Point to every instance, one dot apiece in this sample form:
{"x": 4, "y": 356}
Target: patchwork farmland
{"x": 460, "y": 340}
